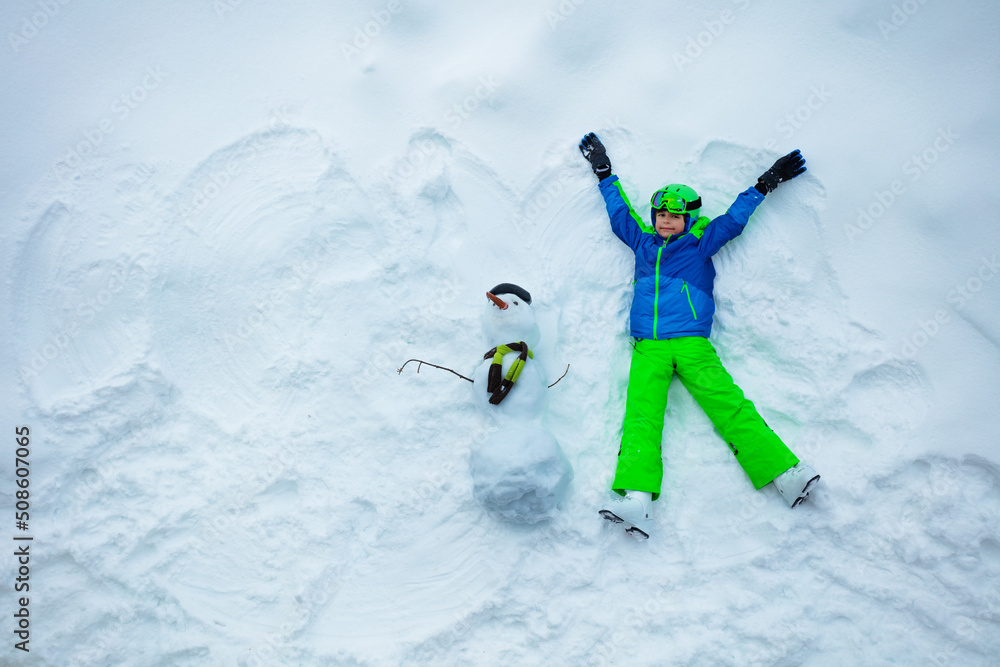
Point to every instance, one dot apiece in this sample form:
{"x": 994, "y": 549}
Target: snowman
{"x": 519, "y": 472}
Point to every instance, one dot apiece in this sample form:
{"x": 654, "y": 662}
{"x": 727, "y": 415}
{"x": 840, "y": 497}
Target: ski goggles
{"x": 673, "y": 202}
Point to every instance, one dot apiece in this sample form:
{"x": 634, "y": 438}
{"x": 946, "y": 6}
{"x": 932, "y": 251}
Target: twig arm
{"x": 421, "y": 363}
{"x": 560, "y": 377}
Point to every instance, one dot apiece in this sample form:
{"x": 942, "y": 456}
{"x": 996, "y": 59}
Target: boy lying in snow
{"x": 671, "y": 318}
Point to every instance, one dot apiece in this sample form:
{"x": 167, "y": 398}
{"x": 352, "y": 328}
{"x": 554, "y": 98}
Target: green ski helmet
{"x": 677, "y": 198}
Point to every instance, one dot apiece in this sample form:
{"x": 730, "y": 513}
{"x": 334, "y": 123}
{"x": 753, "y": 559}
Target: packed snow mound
{"x": 520, "y": 473}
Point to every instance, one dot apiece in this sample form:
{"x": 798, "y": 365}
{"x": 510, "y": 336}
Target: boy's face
{"x": 667, "y": 223}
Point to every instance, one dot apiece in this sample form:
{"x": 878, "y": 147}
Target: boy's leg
{"x": 640, "y": 462}
{"x": 758, "y": 449}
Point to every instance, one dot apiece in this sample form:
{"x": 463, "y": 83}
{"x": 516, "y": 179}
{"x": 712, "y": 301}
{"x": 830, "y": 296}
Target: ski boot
{"x": 633, "y": 509}
{"x": 795, "y": 483}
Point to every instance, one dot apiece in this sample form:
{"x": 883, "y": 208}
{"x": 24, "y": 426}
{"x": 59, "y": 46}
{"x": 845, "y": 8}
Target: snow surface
{"x": 223, "y": 231}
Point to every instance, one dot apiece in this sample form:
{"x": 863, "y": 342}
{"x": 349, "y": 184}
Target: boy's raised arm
{"x": 784, "y": 169}
{"x": 596, "y": 154}
{"x": 729, "y": 225}
{"x": 625, "y": 223}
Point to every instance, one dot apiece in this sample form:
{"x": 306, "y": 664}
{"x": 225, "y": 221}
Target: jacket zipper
{"x": 690, "y": 303}
{"x": 656, "y": 296}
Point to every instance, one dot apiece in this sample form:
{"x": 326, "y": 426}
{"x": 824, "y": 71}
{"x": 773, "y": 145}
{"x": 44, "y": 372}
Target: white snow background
{"x": 226, "y": 224}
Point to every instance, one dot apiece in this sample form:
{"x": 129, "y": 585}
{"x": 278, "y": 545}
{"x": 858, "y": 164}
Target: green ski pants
{"x": 758, "y": 450}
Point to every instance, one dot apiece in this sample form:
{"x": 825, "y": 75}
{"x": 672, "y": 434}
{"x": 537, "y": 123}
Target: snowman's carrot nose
{"x": 500, "y": 303}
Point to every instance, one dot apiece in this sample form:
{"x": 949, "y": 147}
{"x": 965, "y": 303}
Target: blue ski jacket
{"x": 674, "y": 277}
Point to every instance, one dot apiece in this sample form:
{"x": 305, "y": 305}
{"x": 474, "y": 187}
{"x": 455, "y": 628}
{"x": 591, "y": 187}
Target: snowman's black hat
{"x": 511, "y": 288}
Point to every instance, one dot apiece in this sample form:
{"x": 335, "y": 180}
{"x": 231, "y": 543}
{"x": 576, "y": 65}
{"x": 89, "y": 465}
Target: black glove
{"x": 596, "y": 154}
{"x": 784, "y": 169}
